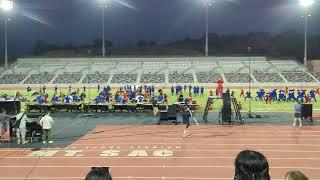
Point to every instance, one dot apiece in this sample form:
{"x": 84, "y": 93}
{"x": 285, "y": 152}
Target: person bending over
{"x": 251, "y": 165}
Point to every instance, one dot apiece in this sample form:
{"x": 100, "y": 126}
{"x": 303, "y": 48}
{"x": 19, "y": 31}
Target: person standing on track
{"x": 297, "y": 114}
{"x": 4, "y": 121}
{"x": 20, "y": 126}
{"x": 46, "y": 123}
{"x": 186, "y": 114}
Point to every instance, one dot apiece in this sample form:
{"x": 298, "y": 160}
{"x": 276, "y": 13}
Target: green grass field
{"x": 257, "y": 106}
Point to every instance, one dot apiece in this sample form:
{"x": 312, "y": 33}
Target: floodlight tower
{"x": 306, "y": 4}
{"x": 207, "y": 4}
{"x": 6, "y": 6}
{"x": 103, "y": 4}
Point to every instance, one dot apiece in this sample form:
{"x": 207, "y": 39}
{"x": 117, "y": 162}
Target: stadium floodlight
{"x": 306, "y": 4}
{"x": 103, "y": 4}
{"x": 6, "y": 5}
{"x": 207, "y": 4}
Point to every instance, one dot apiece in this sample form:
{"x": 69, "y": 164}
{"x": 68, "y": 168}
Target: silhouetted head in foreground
{"x": 295, "y": 175}
{"x": 251, "y": 165}
{"x": 99, "y": 173}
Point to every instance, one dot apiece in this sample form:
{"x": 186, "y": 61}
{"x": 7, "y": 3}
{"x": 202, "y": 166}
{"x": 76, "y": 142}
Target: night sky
{"x": 79, "y": 21}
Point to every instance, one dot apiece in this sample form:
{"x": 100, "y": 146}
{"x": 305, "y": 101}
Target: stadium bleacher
{"x": 180, "y": 77}
{"x": 124, "y": 78}
{"x": 43, "y": 78}
{"x": 68, "y": 78}
{"x": 12, "y": 78}
{"x": 298, "y": 77}
{"x": 237, "y": 77}
{"x": 153, "y": 78}
{"x": 208, "y": 77}
{"x": 156, "y": 70}
{"x": 96, "y": 78}
{"x": 264, "y": 77}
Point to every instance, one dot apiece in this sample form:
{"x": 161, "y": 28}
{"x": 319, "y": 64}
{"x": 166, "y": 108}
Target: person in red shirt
{"x": 308, "y": 99}
{"x": 219, "y": 86}
{"x": 190, "y": 97}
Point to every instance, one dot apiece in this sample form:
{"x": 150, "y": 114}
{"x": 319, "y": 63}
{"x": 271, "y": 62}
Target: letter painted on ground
{"x": 163, "y": 153}
{"x": 110, "y": 153}
{"x": 71, "y": 153}
{"x": 138, "y": 153}
{"x": 43, "y": 153}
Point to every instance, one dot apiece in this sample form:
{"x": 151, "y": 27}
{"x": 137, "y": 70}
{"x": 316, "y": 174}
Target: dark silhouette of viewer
{"x": 99, "y": 173}
{"x": 251, "y": 165}
{"x": 295, "y": 175}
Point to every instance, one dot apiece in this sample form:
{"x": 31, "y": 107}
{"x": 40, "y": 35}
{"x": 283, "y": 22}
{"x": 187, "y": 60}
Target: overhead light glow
{"x": 6, "y": 5}
{"x": 306, "y": 3}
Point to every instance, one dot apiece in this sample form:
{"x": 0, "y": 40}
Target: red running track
{"x": 158, "y": 152}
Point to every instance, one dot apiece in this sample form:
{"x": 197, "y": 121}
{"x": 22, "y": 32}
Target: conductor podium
{"x": 229, "y": 112}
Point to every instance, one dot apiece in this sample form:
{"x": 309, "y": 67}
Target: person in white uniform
{"x": 46, "y": 123}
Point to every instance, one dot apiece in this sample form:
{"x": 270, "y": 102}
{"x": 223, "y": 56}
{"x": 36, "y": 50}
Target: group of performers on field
{"x": 132, "y": 93}
{"x": 285, "y": 95}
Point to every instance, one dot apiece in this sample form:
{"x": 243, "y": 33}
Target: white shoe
{"x": 50, "y": 142}
{"x": 294, "y": 125}
{"x": 44, "y": 142}
{"x": 300, "y": 125}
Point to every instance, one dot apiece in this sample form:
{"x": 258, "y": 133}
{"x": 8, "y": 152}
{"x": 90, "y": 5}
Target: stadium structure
{"x": 164, "y": 72}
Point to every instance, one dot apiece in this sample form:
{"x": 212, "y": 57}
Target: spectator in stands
{"x": 99, "y": 173}
{"x": 297, "y": 114}
{"x": 251, "y": 165}
{"x": 46, "y": 123}
{"x": 295, "y": 175}
{"x": 4, "y": 121}
{"x": 20, "y": 126}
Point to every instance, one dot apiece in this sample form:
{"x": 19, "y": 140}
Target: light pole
{"x": 103, "y": 4}
{"x": 207, "y": 4}
{"x": 6, "y": 5}
{"x": 306, "y": 4}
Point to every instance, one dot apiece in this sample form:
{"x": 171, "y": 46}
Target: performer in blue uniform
{"x": 313, "y": 95}
{"x": 172, "y": 90}
{"x": 282, "y": 96}
{"x": 248, "y": 96}
{"x": 291, "y": 95}
{"x": 202, "y": 90}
